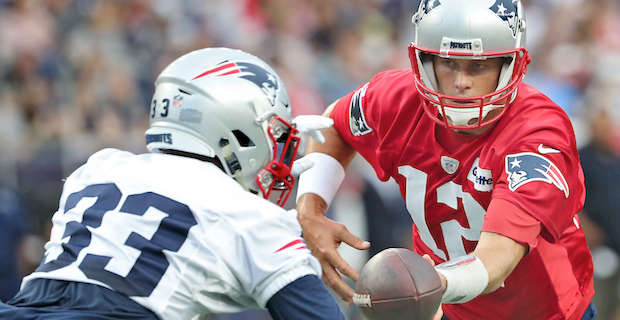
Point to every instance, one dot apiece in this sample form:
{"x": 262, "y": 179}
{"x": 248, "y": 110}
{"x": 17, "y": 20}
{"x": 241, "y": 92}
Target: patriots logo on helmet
{"x": 426, "y": 6}
{"x": 527, "y": 167}
{"x": 248, "y": 71}
{"x": 429, "y": 5}
{"x": 507, "y": 11}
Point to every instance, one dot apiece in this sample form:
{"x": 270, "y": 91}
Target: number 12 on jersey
{"x": 448, "y": 194}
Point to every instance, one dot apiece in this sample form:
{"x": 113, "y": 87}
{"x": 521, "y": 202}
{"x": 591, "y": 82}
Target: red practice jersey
{"x": 527, "y": 164}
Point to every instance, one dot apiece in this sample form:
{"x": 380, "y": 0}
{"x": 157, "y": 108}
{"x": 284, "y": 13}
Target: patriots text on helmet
{"x": 460, "y": 45}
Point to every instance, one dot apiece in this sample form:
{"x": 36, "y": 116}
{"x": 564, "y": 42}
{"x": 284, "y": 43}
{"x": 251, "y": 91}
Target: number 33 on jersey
{"x": 146, "y": 264}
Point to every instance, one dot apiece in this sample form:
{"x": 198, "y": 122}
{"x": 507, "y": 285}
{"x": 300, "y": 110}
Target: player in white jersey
{"x": 175, "y": 234}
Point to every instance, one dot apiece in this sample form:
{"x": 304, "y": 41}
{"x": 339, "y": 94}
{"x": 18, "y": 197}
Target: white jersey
{"x": 176, "y": 235}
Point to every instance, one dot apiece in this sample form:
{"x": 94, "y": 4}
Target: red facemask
{"x": 440, "y": 106}
{"x": 277, "y": 174}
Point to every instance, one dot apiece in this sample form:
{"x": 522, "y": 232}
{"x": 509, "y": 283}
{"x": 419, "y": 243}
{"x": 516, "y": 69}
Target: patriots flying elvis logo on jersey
{"x": 248, "y": 71}
{"x": 357, "y": 120}
{"x": 507, "y": 11}
{"x": 527, "y": 167}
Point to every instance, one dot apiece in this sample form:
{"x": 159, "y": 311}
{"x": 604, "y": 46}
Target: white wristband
{"x": 323, "y": 178}
{"x": 466, "y": 278}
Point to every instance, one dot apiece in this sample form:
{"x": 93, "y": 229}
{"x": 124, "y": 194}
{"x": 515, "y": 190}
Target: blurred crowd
{"x": 77, "y": 76}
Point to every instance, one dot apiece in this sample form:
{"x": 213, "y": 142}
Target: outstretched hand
{"x": 323, "y": 236}
{"x": 312, "y": 125}
{"x": 300, "y": 165}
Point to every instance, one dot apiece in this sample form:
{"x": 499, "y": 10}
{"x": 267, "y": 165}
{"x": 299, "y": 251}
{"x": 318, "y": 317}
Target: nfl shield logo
{"x": 178, "y": 101}
{"x": 449, "y": 165}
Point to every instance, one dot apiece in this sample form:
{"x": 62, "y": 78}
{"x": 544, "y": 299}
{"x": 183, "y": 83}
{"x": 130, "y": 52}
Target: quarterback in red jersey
{"x": 488, "y": 167}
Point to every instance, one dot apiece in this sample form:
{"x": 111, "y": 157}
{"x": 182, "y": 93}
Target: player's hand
{"x": 439, "y": 313}
{"x": 300, "y": 165}
{"x": 312, "y": 125}
{"x": 323, "y": 236}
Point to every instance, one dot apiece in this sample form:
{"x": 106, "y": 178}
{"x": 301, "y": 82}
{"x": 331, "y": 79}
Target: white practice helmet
{"x": 468, "y": 29}
{"x": 228, "y": 105}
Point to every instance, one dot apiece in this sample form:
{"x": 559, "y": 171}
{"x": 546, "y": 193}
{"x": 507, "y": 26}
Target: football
{"x": 397, "y": 284}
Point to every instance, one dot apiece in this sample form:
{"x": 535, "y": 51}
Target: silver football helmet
{"x": 229, "y": 105}
{"x": 468, "y": 29}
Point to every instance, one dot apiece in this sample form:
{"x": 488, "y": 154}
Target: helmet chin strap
{"x": 233, "y": 163}
{"x": 462, "y": 116}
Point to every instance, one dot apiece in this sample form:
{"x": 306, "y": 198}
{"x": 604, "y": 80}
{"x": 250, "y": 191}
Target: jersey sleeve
{"x": 509, "y": 220}
{"x": 364, "y": 117}
{"x": 354, "y": 120}
{"x": 304, "y": 299}
{"x": 267, "y": 254}
{"x": 541, "y": 174}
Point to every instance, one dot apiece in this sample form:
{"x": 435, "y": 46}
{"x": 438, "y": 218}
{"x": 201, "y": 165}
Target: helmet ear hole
{"x": 243, "y": 140}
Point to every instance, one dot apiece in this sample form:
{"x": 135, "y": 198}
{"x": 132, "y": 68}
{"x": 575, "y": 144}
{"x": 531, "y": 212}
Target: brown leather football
{"x": 398, "y": 284}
